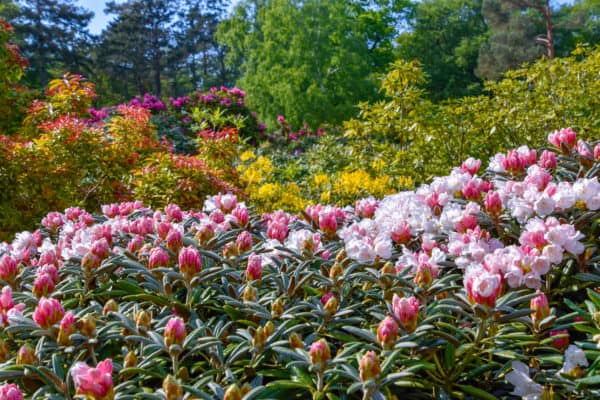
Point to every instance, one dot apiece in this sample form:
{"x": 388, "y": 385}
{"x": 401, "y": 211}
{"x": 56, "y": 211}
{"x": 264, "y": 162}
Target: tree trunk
{"x": 549, "y": 30}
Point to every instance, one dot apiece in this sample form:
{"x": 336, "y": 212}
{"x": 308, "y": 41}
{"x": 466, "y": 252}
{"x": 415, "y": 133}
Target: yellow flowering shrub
{"x": 270, "y": 188}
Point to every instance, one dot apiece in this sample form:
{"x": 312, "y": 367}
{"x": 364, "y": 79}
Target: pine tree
{"x": 52, "y": 34}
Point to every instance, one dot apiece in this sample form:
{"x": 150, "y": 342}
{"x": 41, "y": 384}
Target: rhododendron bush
{"x": 482, "y": 284}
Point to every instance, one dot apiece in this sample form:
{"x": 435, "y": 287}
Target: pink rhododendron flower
{"x": 471, "y": 165}
{"x": 482, "y": 287}
{"x": 366, "y": 208}
{"x": 10, "y": 391}
{"x": 240, "y": 212}
{"x": 8, "y": 268}
{"x": 174, "y": 213}
{"x": 53, "y": 221}
{"x": 96, "y": 383}
{"x": 566, "y": 137}
{"x": 7, "y": 307}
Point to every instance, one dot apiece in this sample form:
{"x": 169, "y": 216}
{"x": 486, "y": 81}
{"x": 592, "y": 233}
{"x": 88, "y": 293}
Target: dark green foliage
{"x": 311, "y": 61}
{"x": 54, "y": 37}
{"x": 445, "y": 37}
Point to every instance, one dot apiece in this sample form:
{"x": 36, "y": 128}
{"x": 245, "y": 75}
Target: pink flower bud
{"x": 513, "y": 162}
{"x": 566, "y": 137}
{"x": 43, "y": 285}
{"x": 254, "y": 269}
{"x": 369, "y": 366}
{"x": 281, "y": 119}
{"x": 101, "y": 249}
{"x": 135, "y": 244}
{"x": 539, "y": 305}
{"x": 328, "y": 223}
{"x": 48, "y": 312}
{"x": 174, "y": 240}
{"x": 90, "y": 262}
{"x": 8, "y": 268}
{"x": 547, "y": 160}
{"x": 244, "y": 241}
{"x": 7, "y": 307}
{"x": 158, "y": 258}
{"x": 174, "y": 332}
{"x": 319, "y": 354}
{"x": 205, "y": 232}
{"x": 163, "y": 229}
{"x": 401, "y": 233}
{"x": 10, "y": 391}
{"x": 407, "y": 311}
{"x": 560, "y": 343}
{"x": 597, "y": 152}
{"x": 241, "y": 215}
{"x": 493, "y": 203}
{"x": 190, "y": 262}
{"x": 67, "y": 328}
{"x": 48, "y": 257}
{"x": 174, "y": 213}
{"x": 26, "y": 355}
{"x": 471, "y": 191}
{"x": 583, "y": 149}
{"x": 425, "y": 274}
{"x": 95, "y": 383}
{"x": 325, "y": 298}
{"x": 277, "y": 230}
{"x": 387, "y": 332}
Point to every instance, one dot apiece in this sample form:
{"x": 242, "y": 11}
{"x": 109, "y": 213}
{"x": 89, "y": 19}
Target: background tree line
{"x": 311, "y": 60}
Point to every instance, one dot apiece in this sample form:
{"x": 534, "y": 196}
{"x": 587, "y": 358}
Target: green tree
{"x": 134, "y": 46}
{"x": 13, "y": 97}
{"x": 52, "y": 34}
{"x": 445, "y": 36}
{"x": 311, "y": 61}
{"x": 511, "y": 41}
{"x": 196, "y": 48}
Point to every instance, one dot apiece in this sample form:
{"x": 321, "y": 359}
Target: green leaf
{"x": 362, "y": 333}
{"x": 478, "y": 393}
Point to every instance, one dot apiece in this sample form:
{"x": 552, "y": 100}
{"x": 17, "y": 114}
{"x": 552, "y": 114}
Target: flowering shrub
{"x": 68, "y": 155}
{"x": 482, "y": 284}
{"x": 13, "y": 97}
{"x": 284, "y": 181}
{"x": 428, "y": 138}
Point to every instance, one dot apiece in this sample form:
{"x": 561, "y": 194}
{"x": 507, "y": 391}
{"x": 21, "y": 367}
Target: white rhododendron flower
{"x": 525, "y": 387}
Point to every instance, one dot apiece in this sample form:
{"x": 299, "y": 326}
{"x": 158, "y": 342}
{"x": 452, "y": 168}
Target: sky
{"x": 100, "y": 20}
